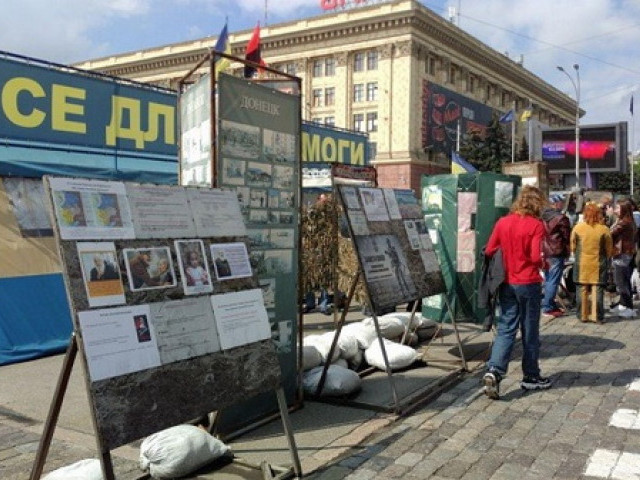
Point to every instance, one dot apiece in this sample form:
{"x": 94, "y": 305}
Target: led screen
{"x": 600, "y": 145}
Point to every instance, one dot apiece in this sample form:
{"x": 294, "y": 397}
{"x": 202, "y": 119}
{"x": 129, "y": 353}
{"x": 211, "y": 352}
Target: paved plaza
{"x": 587, "y": 426}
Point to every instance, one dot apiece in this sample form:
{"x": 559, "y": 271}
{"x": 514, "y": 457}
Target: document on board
{"x": 216, "y": 212}
{"x": 160, "y": 211}
{"x": 241, "y": 318}
{"x": 184, "y": 329}
{"x": 118, "y": 341}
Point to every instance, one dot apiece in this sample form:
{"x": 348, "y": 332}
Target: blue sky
{"x": 602, "y": 36}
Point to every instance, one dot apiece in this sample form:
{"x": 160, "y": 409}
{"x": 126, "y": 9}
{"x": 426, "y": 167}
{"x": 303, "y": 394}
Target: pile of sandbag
{"x": 179, "y": 451}
{"x": 358, "y": 343}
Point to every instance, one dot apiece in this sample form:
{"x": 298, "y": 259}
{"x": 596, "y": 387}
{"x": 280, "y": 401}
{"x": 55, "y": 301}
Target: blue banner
{"x": 51, "y": 105}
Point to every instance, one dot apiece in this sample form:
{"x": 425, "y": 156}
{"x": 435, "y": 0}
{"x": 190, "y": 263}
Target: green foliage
{"x": 617, "y": 182}
{"x": 487, "y": 153}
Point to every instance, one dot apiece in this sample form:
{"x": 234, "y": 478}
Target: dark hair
{"x": 626, "y": 209}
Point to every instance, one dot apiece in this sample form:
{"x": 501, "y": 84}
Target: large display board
{"x": 169, "y": 316}
{"x": 392, "y": 242}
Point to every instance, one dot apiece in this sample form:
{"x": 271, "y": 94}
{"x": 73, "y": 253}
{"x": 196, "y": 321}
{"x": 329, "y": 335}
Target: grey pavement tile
{"x": 453, "y": 469}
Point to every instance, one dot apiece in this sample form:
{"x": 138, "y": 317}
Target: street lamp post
{"x": 576, "y": 86}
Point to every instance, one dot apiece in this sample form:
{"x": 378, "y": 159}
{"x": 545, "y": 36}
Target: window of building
{"x": 430, "y": 65}
{"x": 290, "y": 68}
{"x": 372, "y": 122}
{"x": 330, "y": 96}
{"x": 317, "y": 68}
{"x": 317, "y": 97}
{"x": 471, "y": 83}
{"x": 358, "y": 92}
{"x": 316, "y": 120}
{"x": 504, "y": 99}
{"x": 358, "y": 62}
{"x": 358, "y": 122}
{"x": 372, "y": 91}
{"x": 373, "y": 150}
{"x": 372, "y": 60}
{"x": 329, "y": 67}
{"x": 452, "y": 74}
{"x": 331, "y": 121}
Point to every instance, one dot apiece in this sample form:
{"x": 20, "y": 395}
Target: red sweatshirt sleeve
{"x": 494, "y": 240}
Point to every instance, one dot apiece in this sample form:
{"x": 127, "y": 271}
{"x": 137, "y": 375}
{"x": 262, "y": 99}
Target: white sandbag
{"x": 341, "y": 362}
{"x": 348, "y": 344}
{"x": 365, "y": 334}
{"x": 390, "y": 325}
{"x": 87, "y": 469}
{"x": 323, "y": 344}
{"x": 311, "y": 357}
{"x": 339, "y": 381}
{"x": 399, "y": 356}
{"x": 405, "y": 316}
{"x": 178, "y": 451}
{"x": 355, "y": 361}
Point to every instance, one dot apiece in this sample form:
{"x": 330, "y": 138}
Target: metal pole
{"x": 577, "y": 69}
{"x": 577, "y": 90}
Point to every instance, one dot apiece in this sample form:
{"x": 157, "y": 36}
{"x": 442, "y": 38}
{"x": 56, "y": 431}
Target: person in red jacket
{"x": 519, "y": 235}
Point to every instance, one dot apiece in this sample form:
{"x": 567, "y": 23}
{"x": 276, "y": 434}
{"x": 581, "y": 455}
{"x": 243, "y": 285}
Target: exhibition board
{"x": 168, "y": 314}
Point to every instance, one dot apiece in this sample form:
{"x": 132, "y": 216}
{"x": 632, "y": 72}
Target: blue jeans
{"x": 552, "y": 278}
{"x": 622, "y": 271}
{"x": 520, "y": 308}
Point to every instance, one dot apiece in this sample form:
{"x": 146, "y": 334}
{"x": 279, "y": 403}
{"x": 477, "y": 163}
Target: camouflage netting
{"x": 325, "y": 251}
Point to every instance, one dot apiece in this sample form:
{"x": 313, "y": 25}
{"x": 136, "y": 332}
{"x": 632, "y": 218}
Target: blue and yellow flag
{"x": 222, "y": 45}
{"x": 460, "y": 165}
{"x": 526, "y": 114}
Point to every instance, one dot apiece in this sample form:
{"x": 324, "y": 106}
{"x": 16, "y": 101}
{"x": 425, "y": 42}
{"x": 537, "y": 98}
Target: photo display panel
{"x": 169, "y": 314}
{"x": 397, "y": 258}
{"x": 258, "y": 156}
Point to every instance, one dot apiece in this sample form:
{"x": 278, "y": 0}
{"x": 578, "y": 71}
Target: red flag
{"x": 253, "y": 52}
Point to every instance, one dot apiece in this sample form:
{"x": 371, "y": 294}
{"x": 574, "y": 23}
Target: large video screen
{"x": 602, "y": 146}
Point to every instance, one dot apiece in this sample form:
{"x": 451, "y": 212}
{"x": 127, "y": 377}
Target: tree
{"x": 487, "y": 153}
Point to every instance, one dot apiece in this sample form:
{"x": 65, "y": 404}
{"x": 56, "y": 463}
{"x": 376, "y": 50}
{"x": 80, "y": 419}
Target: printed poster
{"x": 118, "y": 341}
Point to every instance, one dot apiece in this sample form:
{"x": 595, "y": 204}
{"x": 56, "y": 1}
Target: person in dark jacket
{"x": 556, "y": 250}
{"x": 623, "y": 232}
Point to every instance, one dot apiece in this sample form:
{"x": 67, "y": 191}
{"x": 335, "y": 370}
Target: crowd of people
{"x": 537, "y": 236}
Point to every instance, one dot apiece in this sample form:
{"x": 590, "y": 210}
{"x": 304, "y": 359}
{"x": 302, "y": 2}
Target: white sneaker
{"x": 626, "y": 312}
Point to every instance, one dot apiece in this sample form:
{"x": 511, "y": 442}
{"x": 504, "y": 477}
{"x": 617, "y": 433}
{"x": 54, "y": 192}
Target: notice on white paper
{"x": 392, "y": 203}
{"x": 160, "y": 211}
{"x": 374, "y": 205}
{"x": 241, "y": 318}
{"x": 216, "y": 213}
{"x": 118, "y": 341}
{"x": 184, "y": 329}
{"x": 230, "y": 260}
{"x": 91, "y": 209}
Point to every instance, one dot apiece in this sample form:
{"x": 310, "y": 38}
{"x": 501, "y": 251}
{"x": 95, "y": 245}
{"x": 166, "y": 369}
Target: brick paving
{"x": 525, "y": 435}
{"x": 462, "y": 434}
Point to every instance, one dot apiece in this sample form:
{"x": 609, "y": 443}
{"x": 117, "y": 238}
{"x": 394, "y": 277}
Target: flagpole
{"x": 513, "y": 132}
{"x": 633, "y": 131}
{"x": 458, "y": 137}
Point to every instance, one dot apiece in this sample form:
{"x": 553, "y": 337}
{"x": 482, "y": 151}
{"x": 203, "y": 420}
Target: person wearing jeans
{"x": 623, "y": 233}
{"x": 519, "y": 236}
{"x": 556, "y": 250}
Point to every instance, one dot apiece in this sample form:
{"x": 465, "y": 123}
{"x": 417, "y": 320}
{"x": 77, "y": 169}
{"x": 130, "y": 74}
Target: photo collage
{"x": 149, "y": 298}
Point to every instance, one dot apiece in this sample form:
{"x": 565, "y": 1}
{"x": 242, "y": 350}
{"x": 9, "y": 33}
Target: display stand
{"x": 164, "y": 351}
{"x": 398, "y": 265}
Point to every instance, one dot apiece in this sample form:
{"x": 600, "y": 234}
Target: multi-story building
{"x": 396, "y": 70}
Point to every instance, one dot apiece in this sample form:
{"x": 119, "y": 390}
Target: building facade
{"x": 396, "y": 70}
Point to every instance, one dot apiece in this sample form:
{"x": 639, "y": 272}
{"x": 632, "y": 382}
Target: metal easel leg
{"x": 54, "y": 409}
{"x": 455, "y": 329}
{"x": 286, "y": 423}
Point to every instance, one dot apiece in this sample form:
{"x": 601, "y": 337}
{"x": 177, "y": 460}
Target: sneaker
{"x": 535, "y": 383}
{"x": 556, "y": 312}
{"x": 491, "y": 382}
{"x": 626, "y": 312}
